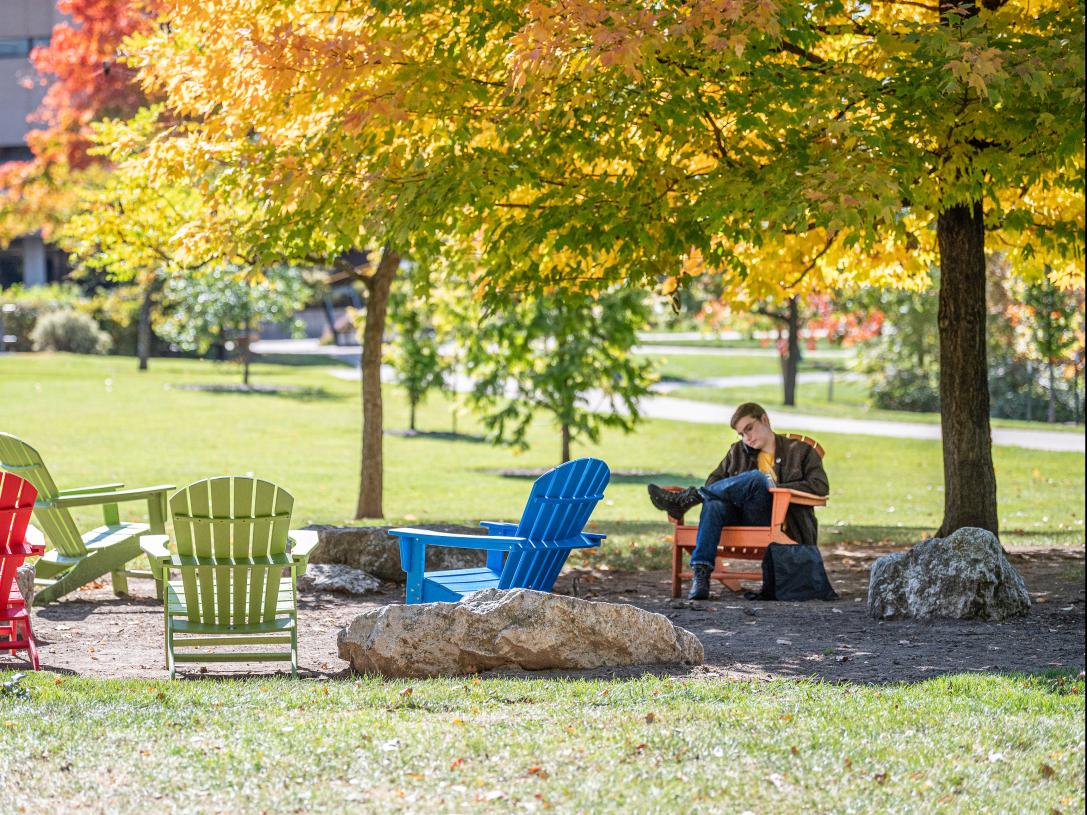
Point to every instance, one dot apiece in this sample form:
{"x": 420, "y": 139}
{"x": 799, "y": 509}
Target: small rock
{"x": 24, "y": 579}
{"x": 963, "y": 576}
{"x": 519, "y": 628}
{"x": 335, "y": 577}
{"x": 376, "y": 552}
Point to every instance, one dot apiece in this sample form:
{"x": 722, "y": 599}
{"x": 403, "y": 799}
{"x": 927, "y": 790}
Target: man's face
{"x": 755, "y": 433}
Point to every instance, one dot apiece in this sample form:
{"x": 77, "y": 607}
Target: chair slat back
{"x": 231, "y": 534}
{"x": 17, "y": 496}
{"x": 18, "y": 457}
{"x": 808, "y": 440}
{"x": 557, "y": 510}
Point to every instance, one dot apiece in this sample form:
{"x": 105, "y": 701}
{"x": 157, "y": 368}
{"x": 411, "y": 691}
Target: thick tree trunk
{"x": 791, "y": 359}
{"x": 143, "y": 329}
{"x": 377, "y": 302}
{"x": 565, "y": 443}
{"x": 969, "y": 478}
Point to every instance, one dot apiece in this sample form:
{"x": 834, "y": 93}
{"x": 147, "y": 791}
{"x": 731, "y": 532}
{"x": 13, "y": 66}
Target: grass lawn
{"x": 965, "y": 743}
{"x": 98, "y": 419}
{"x": 701, "y": 366}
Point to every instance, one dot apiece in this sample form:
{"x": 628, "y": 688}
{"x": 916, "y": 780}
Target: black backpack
{"x": 794, "y": 571}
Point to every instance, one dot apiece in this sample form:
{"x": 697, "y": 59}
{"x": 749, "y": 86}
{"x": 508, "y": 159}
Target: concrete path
{"x": 696, "y": 351}
{"x": 751, "y": 380}
{"x": 687, "y": 410}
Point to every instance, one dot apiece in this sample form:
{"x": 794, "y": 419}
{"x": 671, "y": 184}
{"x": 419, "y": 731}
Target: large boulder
{"x": 963, "y": 576}
{"x": 373, "y": 550}
{"x": 518, "y": 628}
{"x": 336, "y": 577}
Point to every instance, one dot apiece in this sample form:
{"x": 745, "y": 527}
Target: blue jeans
{"x": 742, "y": 500}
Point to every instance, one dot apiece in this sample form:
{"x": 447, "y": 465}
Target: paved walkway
{"x": 687, "y": 410}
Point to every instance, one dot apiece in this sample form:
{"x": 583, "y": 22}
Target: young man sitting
{"x": 737, "y": 492}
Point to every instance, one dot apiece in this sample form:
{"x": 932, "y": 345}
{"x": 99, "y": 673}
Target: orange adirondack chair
{"x": 741, "y": 542}
{"x": 18, "y": 540}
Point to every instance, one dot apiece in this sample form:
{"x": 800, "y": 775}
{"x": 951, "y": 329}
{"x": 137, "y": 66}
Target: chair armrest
{"x": 35, "y": 540}
{"x": 499, "y": 527}
{"x": 502, "y": 543}
{"x": 594, "y": 536}
{"x": 303, "y": 542}
{"x": 808, "y": 499}
{"x": 95, "y": 488}
{"x": 154, "y": 546}
{"x": 94, "y": 498}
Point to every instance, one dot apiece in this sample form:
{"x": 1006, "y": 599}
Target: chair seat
{"x": 176, "y": 605}
{"x": 451, "y": 585}
{"x": 105, "y": 536}
{"x": 278, "y": 625}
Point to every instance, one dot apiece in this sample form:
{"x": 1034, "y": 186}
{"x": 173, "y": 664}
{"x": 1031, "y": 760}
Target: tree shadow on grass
{"x": 294, "y": 392}
{"x": 438, "y": 435}
{"x": 636, "y": 477}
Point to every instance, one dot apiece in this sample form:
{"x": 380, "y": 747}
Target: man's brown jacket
{"x": 796, "y": 466}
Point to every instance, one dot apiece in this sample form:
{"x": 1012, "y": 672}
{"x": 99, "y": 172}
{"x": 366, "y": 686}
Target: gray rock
{"x": 963, "y": 576}
{"x": 336, "y": 577}
{"x": 377, "y": 553}
{"x": 24, "y": 579}
{"x": 519, "y": 628}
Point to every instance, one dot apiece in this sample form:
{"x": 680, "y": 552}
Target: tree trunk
{"x": 411, "y": 415}
{"x": 143, "y": 330}
{"x": 791, "y": 359}
{"x": 245, "y": 352}
{"x": 1051, "y": 415}
{"x": 565, "y": 443}
{"x": 377, "y": 302}
{"x": 969, "y": 478}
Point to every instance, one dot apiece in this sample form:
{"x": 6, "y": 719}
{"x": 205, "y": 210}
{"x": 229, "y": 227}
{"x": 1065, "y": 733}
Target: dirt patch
{"x": 94, "y": 633}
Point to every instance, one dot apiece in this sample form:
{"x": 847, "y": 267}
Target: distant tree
{"x": 562, "y": 354}
{"x": 1054, "y": 314}
{"x": 228, "y": 304}
{"x": 414, "y": 352}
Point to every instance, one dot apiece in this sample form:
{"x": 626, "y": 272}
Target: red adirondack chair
{"x": 18, "y": 540}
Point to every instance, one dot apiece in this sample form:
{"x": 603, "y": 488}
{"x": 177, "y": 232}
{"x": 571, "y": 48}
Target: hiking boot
{"x": 675, "y": 504}
{"x": 700, "y": 582}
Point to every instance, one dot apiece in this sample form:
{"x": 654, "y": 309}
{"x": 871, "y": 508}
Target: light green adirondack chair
{"x": 233, "y": 544}
{"x": 77, "y": 558}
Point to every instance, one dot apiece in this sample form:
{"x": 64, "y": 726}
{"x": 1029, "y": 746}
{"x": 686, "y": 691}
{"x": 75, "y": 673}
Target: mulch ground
{"x": 94, "y": 633}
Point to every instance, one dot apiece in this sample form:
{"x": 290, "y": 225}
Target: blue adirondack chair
{"x": 528, "y": 554}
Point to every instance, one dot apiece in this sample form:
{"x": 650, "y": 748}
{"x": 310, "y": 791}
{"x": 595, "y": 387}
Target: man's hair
{"x": 752, "y": 409}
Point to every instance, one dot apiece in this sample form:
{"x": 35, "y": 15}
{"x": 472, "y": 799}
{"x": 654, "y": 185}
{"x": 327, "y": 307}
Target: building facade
{"x": 24, "y": 25}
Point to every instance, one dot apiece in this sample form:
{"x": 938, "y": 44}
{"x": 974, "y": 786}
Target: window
{"x": 20, "y": 47}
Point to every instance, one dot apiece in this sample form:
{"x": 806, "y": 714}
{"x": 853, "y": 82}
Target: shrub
{"x": 30, "y": 304}
{"x": 905, "y": 389}
{"x": 69, "y": 330}
{"x": 117, "y": 312}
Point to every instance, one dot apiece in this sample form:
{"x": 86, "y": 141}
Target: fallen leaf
{"x": 649, "y": 717}
{"x": 881, "y": 778}
{"x": 1046, "y": 771}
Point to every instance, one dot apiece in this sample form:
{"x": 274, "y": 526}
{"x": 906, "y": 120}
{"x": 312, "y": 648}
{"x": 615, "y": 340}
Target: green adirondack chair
{"x": 233, "y": 544}
{"x": 77, "y": 558}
